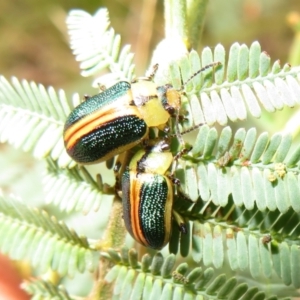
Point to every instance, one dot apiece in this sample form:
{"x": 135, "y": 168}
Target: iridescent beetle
{"x": 148, "y": 196}
{"x": 119, "y": 118}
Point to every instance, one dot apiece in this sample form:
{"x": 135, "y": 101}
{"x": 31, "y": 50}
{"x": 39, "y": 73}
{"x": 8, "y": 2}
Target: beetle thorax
{"x": 145, "y": 97}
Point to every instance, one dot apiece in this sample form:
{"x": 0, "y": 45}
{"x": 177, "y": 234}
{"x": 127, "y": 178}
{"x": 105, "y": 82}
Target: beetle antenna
{"x": 185, "y": 131}
{"x": 178, "y": 133}
{"x": 214, "y": 64}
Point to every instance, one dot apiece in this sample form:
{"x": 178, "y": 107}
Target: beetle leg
{"x": 101, "y": 86}
{"x": 119, "y": 168}
{"x": 152, "y": 74}
{"x": 86, "y": 97}
{"x": 174, "y": 112}
{"x": 180, "y": 191}
{"x": 179, "y": 220}
{"x": 149, "y": 77}
{"x": 110, "y": 162}
{"x": 182, "y": 152}
{"x": 166, "y": 129}
{"x": 183, "y": 195}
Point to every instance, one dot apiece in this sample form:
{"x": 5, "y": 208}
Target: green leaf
{"x": 251, "y": 85}
{"x": 32, "y": 118}
{"x": 70, "y": 191}
{"x": 46, "y": 242}
{"x": 41, "y": 289}
{"x": 96, "y": 46}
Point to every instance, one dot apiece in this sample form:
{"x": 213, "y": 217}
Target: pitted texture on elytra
{"x": 152, "y": 206}
{"x": 98, "y": 101}
{"x": 107, "y": 138}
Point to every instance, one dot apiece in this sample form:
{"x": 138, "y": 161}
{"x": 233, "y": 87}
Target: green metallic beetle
{"x": 147, "y": 197}
{"x": 119, "y": 118}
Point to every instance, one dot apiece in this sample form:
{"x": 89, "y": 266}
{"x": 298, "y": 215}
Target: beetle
{"x": 115, "y": 120}
{"x": 148, "y": 196}
{"x": 119, "y": 118}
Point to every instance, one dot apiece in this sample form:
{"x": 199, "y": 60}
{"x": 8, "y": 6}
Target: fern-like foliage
{"x": 96, "y": 46}
{"x": 31, "y": 234}
{"x": 41, "y": 289}
{"x": 32, "y": 118}
{"x": 247, "y": 183}
{"x": 156, "y": 278}
{"x": 255, "y": 170}
{"x": 245, "y": 83}
{"x": 72, "y": 189}
{"x": 260, "y": 254}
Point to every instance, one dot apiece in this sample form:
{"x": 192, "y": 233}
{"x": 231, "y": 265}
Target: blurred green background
{"x": 35, "y": 42}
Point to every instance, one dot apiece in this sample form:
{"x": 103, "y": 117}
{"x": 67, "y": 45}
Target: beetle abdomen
{"x": 147, "y": 208}
{"x": 152, "y": 208}
{"x": 105, "y": 139}
{"x": 104, "y": 125}
{"x": 120, "y": 94}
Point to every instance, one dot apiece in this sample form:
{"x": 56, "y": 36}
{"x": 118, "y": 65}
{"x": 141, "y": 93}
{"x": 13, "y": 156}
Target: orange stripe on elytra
{"x": 95, "y": 120}
{"x": 135, "y": 189}
{"x": 96, "y": 123}
{"x": 123, "y": 101}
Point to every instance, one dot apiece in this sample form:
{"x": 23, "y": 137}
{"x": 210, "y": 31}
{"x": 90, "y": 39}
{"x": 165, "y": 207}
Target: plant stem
{"x": 184, "y": 20}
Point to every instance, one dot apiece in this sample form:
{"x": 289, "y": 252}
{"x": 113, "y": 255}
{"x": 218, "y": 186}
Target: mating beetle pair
{"x": 115, "y": 121}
